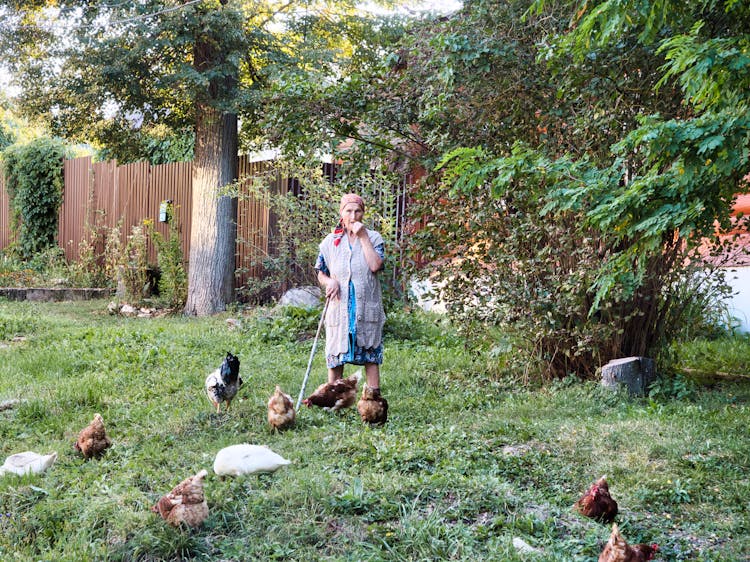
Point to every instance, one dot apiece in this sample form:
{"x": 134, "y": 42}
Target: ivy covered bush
{"x": 34, "y": 181}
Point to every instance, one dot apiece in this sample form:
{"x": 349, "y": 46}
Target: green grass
{"x": 464, "y": 464}
{"x": 727, "y": 357}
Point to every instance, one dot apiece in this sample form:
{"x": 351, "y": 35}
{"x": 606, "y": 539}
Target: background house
{"x": 738, "y": 274}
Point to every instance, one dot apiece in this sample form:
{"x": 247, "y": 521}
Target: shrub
{"x": 172, "y": 283}
{"x": 133, "y": 269}
{"x": 537, "y": 275}
{"x": 34, "y": 181}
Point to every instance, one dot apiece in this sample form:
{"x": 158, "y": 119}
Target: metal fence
{"x": 101, "y": 196}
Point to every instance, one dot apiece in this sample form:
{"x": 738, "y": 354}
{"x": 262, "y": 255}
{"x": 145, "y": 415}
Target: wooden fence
{"x": 98, "y": 197}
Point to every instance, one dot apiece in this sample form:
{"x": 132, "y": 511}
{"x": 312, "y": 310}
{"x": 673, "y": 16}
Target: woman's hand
{"x": 357, "y": 228}
{"x": 332, "y": 288}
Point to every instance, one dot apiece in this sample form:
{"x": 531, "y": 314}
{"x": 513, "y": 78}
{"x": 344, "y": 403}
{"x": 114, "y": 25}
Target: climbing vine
{"x": 34, "y": 181}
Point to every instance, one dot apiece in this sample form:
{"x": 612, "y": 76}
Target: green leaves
{"x": 714, "y": 72}
{"x": 34, "y": 172}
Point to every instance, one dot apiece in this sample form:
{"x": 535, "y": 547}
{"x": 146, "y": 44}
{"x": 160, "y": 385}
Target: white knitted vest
{"x": 344, "y": 265}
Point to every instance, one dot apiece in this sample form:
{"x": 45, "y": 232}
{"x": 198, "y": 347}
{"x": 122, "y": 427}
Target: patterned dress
{"x": 356, "y": 355}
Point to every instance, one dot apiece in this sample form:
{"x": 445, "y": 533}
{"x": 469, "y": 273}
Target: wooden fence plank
{"x": 74, "y": 211}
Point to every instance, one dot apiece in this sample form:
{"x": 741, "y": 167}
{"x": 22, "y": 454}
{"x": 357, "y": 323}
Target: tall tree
{"x": 212, "y": 239}
{"x": 95, "y": 67}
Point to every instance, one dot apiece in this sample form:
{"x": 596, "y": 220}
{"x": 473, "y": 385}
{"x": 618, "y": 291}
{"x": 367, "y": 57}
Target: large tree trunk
{"x": 214, "y": 230}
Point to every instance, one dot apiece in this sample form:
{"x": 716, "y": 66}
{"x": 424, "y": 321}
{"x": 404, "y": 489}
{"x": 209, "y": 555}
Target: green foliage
{"x": 19, "y": 325}
{"x": 586, "y": 233}
{"x": 158, "y": 66}
{"x": 668, "y": 388}
{"x": 464, "y": 464}
{"x": 417, "y": 327}
{"x": 305, "y": 208}
{"x": 579, "y": 284}
{"x": 294, "y": 324}
{"x": 34, "y": 182}
{"x": 132, "y": 266}
{"x": 14, "y": 272}
{"x": 172, "y": 283}
{"x": 88, "y": 269}
{"x": 286, "y": 324}
{"x": 726, "y": 355}
{"x": 7, "y": 137}
{"x": 157, "y": 144}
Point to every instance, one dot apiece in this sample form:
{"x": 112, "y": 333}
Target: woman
{"x": 349, "y": 259}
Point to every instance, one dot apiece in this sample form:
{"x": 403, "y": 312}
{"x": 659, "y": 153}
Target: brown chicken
{"x": 281, "y": 412}
{"x": 597, "y": 503}
{"x": 617, "y": 550}
{"x": 186, "y": 503}
{"x": 372, "y": 407}
{"x": 335, "y": 395}
{"x": 92, "y": 440}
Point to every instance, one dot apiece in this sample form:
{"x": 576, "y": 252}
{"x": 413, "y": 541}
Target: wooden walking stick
{"x": 312, "y": 354}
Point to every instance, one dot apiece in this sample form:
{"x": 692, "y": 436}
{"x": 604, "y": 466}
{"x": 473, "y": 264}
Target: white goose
{"x": 237, "y": 460}
{"x": 26, "y": 462}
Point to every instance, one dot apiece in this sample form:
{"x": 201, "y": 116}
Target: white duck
{"x": 26, "y": 462}
{"x": 237, "y": 460}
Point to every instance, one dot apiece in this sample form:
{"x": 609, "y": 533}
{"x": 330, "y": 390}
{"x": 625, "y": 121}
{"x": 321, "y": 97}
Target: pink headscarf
{"x": 338, "y": 232}
{"x": 351, "y": 198}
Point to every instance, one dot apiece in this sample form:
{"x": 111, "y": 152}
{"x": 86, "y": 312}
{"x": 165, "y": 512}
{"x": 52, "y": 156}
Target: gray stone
{"x": 49, "y": 294}
{"x": 308, "y": 296}
{"x": 635, "y": 373}
{"x": 128, "y": 310}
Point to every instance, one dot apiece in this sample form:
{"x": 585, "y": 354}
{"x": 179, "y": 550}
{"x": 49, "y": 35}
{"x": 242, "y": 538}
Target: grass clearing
{"x": 464, "y": 464}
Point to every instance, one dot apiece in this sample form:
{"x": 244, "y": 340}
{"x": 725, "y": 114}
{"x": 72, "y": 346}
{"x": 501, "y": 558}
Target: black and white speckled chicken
{"x": 223, "y": 383}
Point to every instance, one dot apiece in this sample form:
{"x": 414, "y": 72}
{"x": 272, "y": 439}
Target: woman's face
{"x": 351, "y": 213}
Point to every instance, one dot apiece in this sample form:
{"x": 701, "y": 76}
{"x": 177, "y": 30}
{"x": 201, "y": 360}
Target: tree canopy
{"x": 101, "y": 70}
{"x": 577, "y": 155}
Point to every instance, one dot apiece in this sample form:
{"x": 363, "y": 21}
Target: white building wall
{"x": 739, "y": 304}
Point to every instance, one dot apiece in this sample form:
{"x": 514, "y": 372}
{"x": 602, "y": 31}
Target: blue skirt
{"x": 356, "y": 355}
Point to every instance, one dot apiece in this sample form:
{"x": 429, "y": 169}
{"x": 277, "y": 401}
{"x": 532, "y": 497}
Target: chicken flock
{"x": 186, "y": 503}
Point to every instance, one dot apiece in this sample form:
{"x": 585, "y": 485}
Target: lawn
{"x": 465, "y": 464}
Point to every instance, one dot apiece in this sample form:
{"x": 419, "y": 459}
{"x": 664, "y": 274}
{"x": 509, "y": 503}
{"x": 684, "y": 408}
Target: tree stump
{"x": 635, "y": 373}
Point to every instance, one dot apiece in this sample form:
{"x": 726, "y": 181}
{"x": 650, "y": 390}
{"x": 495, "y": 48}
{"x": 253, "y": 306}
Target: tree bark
{"x": 214, "y": 230}
{"x": 213, "y": 233}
